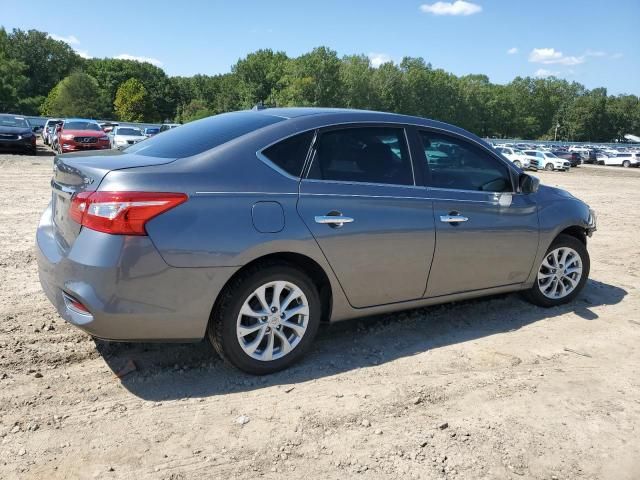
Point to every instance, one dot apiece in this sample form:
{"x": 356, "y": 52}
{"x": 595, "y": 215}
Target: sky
{"x": 594, "y": 42}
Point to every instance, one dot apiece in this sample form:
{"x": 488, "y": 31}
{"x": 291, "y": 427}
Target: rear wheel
{"x": 561, "y": 274}
{"x": 548, "y": 167}
{"x": 266, "y": 319}
{"x": 626, "y": 164}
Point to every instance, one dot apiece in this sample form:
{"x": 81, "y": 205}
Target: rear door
{"x": 486, "y": 234}
{"x": 372, "y": 222}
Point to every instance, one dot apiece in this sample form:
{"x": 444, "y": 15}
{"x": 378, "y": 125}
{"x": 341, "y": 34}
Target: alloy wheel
{"x": 560, "y": 273}
{"x": 272, "y": 320}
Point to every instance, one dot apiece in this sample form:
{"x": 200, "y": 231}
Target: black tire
{"x": 221, "y": 330}
{"x": 626, "y": 164}
{"x": 549, "y": 167}
{"x": 517, "y": 164}
{"x": 535, "y": 295}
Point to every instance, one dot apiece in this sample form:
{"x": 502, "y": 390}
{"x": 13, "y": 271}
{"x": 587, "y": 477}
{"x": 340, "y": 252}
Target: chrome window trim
{"x": 395, "y": 197}
{"x": 369, "y": 184}
{"x": 348, "y": 195}
{"x": 264, "y": 159}
{"x": 244, "y": 193}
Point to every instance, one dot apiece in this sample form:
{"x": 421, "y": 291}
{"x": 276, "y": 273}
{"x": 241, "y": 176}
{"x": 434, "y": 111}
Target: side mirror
{"x": 529, "y": 184}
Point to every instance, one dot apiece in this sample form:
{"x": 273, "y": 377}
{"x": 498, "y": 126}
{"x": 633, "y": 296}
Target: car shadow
{"x": 166, "y": 371}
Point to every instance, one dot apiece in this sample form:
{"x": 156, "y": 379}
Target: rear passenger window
{"x": 367, "y": 154}
{"x": 291, "y": 153}
{"x": 460, "y": 165}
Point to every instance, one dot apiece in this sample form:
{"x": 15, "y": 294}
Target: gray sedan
{"x": 251, "y": 228}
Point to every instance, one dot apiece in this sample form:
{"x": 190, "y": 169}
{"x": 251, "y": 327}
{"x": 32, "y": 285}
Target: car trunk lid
{"x": 83, "y": 172}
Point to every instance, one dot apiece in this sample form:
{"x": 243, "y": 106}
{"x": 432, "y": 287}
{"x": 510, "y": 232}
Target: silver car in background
{"x": 122, "y": 137}
{"x": 251, "y": 228}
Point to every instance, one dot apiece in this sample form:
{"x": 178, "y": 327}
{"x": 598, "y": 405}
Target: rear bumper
{"x": 130, "y": 292}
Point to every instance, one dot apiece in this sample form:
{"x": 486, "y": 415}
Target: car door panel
{"x": 494, "y": 247}
{"x": 486, "y": 235}
{"x": 384, "y": 255}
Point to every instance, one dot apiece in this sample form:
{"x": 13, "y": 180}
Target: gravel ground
{"x": 494, "y": 388}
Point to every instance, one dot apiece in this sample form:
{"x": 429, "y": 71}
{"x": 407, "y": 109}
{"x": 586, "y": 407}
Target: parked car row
{"x": 76, "y": 134}
{"x": 556, "y": 157}
{"x": 534, "y": 159}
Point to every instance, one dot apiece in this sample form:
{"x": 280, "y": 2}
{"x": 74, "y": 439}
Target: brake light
{"x": 121, "y": 213}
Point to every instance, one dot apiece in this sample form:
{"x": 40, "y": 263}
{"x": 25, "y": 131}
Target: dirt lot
{"x": 487, "y": 389}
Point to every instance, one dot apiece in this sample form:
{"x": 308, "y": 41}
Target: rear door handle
{"x": 453, "y": 218}
{"x": 333, "y": 220}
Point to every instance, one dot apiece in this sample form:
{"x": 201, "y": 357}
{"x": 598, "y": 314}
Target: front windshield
{"x": 132, "y": 132}
{"x": 9, "y": 121}
{"x": 82, "y": 126}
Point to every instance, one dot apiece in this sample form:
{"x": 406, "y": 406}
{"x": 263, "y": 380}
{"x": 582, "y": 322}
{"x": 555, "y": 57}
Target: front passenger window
{"x": 460, "y": 165}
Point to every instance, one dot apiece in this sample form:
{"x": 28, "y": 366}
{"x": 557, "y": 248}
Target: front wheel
{"x": 549, "y": 167}
{"x": 626, "y": 164}
{"x": 266, "y": 319}
{"x": 517, "y": 164}
{"x": 562, "y": 274}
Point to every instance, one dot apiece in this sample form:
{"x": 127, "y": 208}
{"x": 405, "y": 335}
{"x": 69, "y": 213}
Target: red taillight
{"x": 121, "y": 213}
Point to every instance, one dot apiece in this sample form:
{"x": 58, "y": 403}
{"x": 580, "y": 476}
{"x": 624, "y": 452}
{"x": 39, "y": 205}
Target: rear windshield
{"x": 202, "y": 135}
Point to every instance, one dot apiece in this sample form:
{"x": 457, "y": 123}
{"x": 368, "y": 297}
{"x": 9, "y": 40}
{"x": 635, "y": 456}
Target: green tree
{"x": 12, "y": 83}
{"x": 111, "y": 73}
{"x": 312, "y": 79}
{"x": 131, "y": 103}
{"x": 46, "y": 62}
{"x": 356, "y": 74}
{"x": 194, "y": 110}
{"x": 77, "y": 95}
{"x": 258, "y": 74}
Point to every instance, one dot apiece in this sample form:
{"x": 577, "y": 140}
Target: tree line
{"x": 39, "y": 75}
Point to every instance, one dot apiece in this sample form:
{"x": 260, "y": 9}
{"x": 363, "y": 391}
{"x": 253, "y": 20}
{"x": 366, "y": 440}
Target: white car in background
{"x": 122, "y": 137}
{"x": 621, "y": 159}
{"x": 515, "y": 156}
{"x": 546, "y": 161}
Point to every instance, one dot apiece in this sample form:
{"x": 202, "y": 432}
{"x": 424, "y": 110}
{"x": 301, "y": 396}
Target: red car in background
{"x": 78, "y": 135}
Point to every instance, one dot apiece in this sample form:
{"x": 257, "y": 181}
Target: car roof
{"x": 347, "y": 115}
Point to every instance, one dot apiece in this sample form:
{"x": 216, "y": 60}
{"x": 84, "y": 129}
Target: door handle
{"x": 333, "y": 220}
{"x": 454, "y": 218}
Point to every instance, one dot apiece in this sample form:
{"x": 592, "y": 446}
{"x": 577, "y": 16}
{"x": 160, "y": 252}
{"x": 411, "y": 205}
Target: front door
{"x": 486, "y": 234}
{"x": 372, "y": 222}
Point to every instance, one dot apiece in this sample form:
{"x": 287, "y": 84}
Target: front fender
{"x": 557, "y": 212}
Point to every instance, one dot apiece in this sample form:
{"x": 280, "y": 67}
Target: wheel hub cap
{"x": 272, "y": 320}
{"x": 560, "y": 273}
